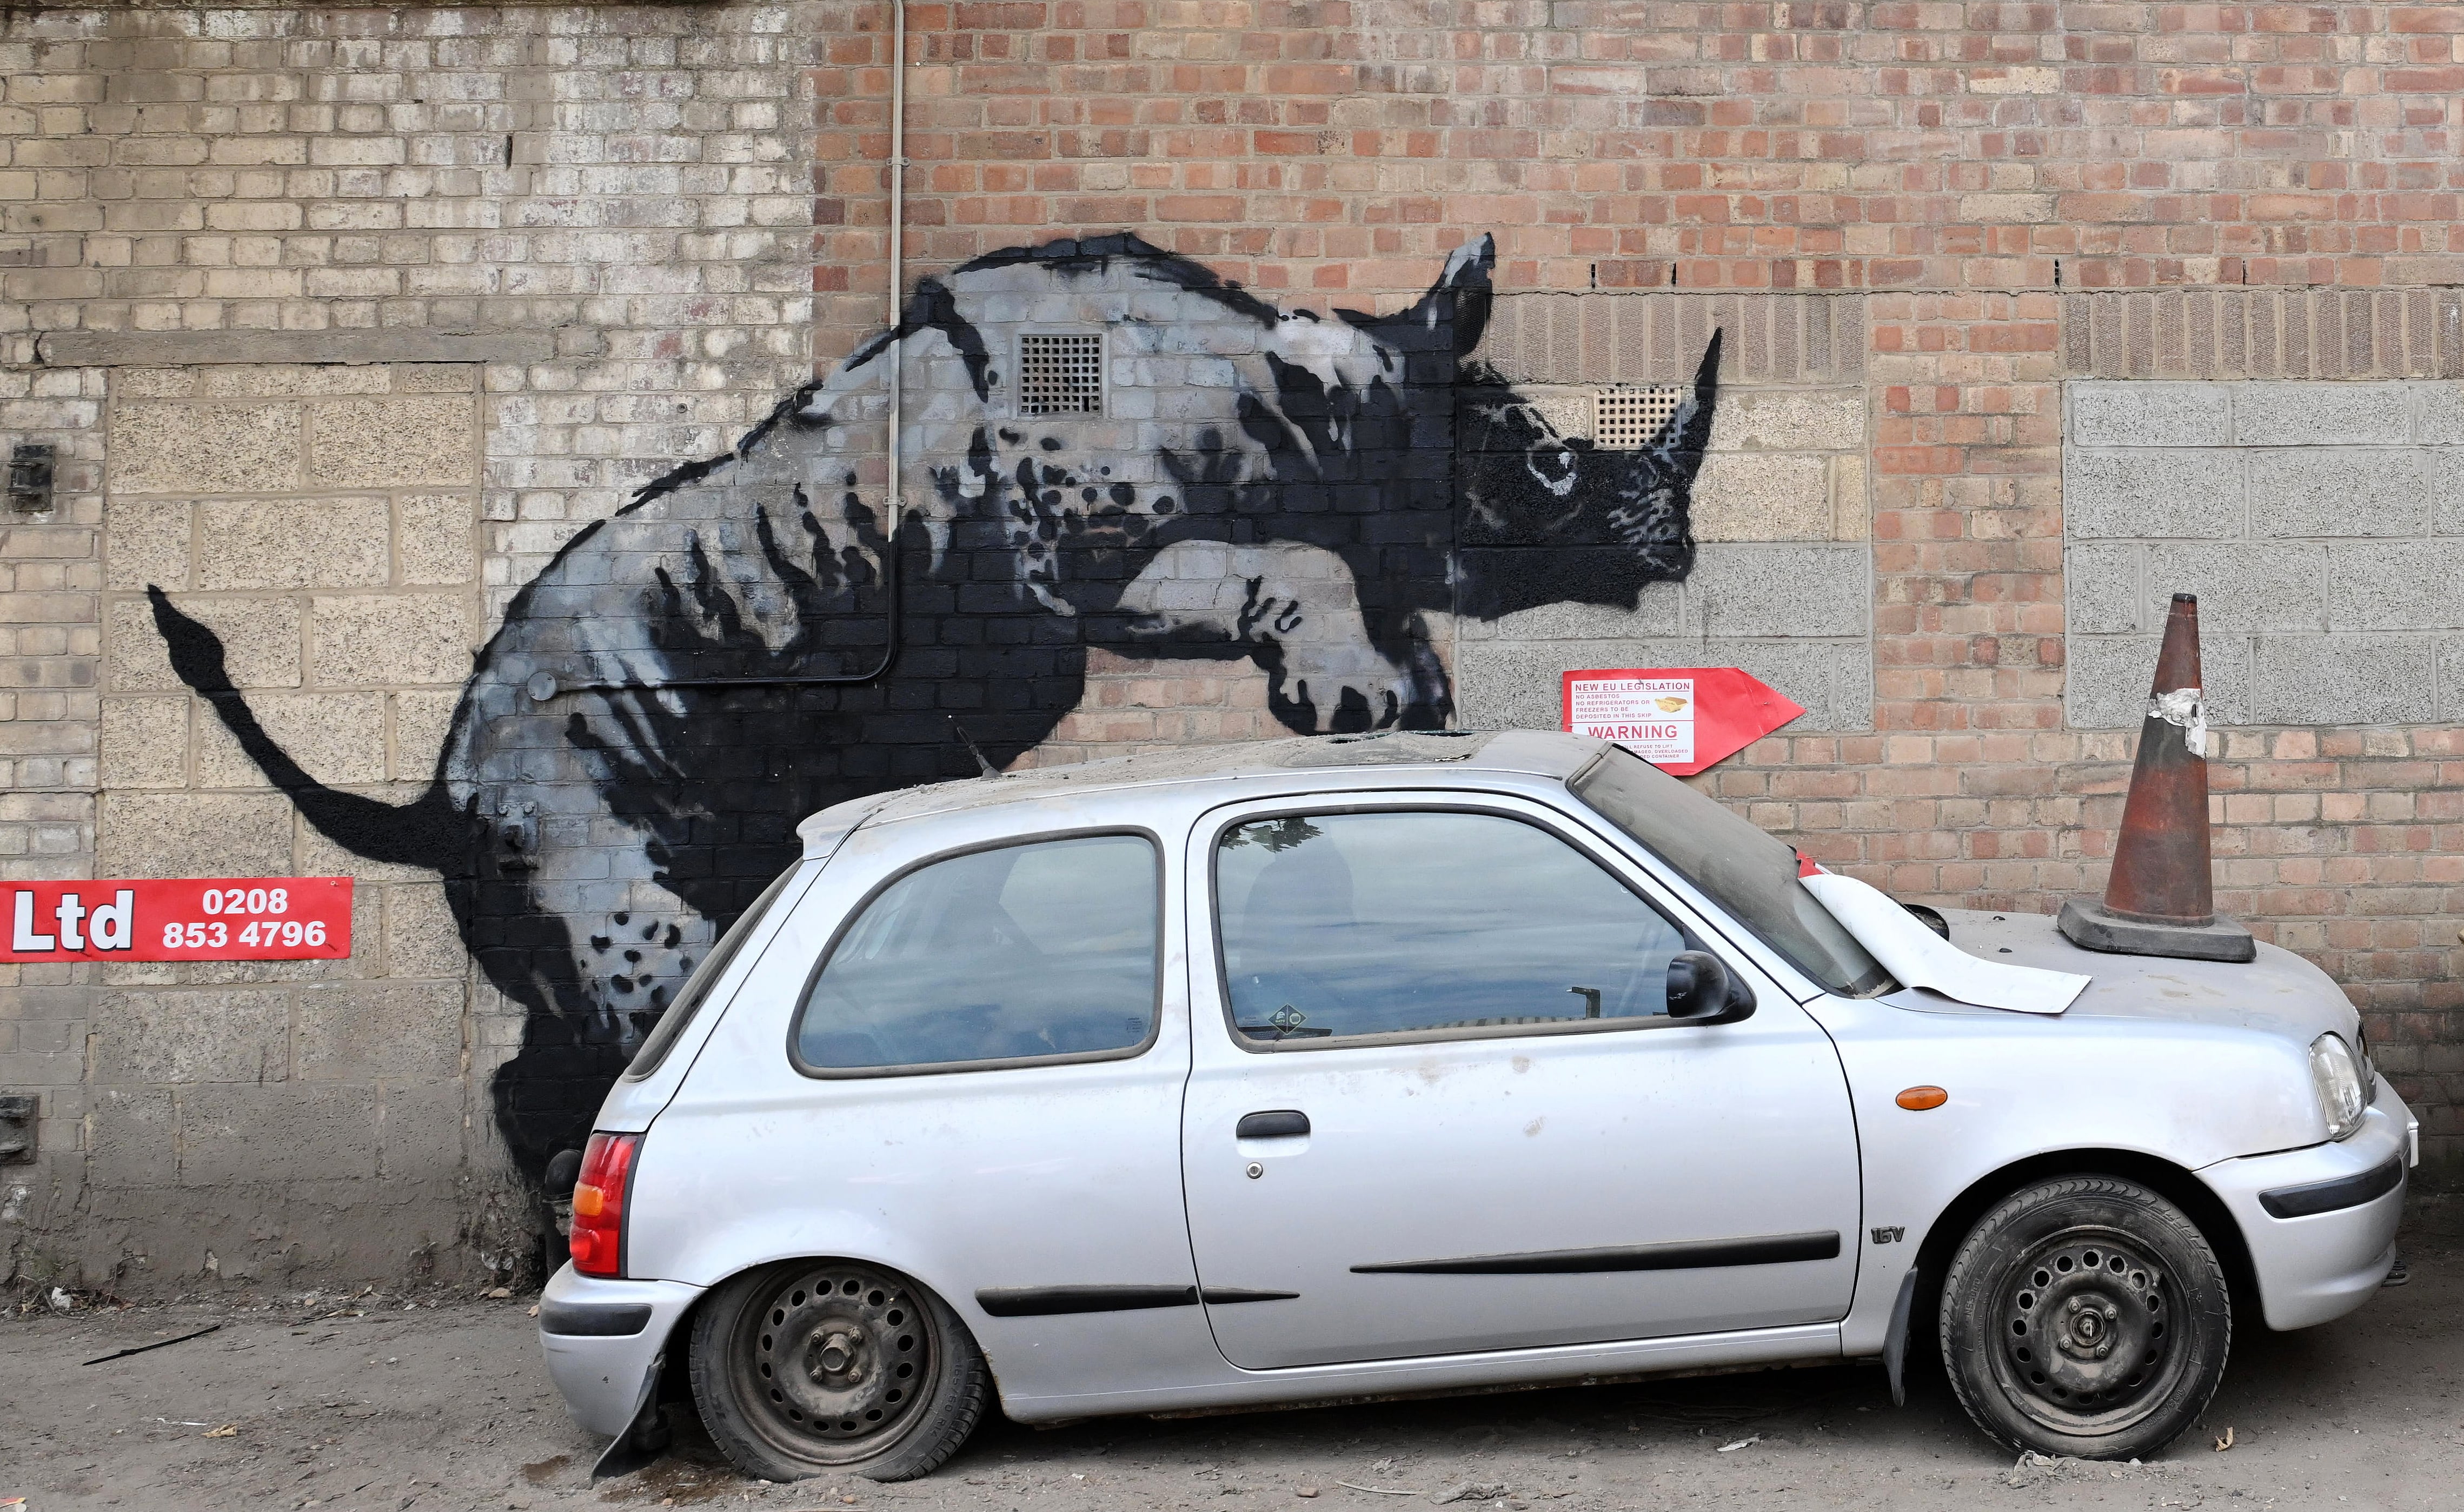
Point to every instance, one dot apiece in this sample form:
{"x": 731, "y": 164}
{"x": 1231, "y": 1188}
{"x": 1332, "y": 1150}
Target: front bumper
{"x": 2314, "y": 1266}
{"x": 611, "y": 1334}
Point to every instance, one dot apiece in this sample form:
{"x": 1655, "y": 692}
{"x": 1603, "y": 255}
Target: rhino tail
{"x": 429, "y": 831}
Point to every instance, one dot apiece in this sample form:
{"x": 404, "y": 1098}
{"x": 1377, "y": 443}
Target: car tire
{"x": 2085, "y": 1316}
{"x": 813, "y": 1367}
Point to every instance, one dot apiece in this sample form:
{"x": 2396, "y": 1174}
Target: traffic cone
{"x": 2161, "y": 897}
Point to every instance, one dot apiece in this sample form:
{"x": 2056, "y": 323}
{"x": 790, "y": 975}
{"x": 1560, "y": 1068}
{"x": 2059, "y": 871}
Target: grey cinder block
{"x": 1657, "y": 612}
{"x": 1518, "y": 684}
{"x": 1762, "y": 589}
{"x": 2398, "y": 585}
{"x": 2443, "y": 473}
{"x": 2450, "y": 679}
{"x": 2337, "y": 490}
{"x": 2241, "y": 586}
{"x": 2346, "y": 679}
{"x": 2106, "y": 684}
{"x": 368, "y": 1031}
{"x": 132, "y": 1141}
{"x": 301, "y": 1132}
{"x": 2100, "y": 588}
{"x": 157, "y": 1038}
{"x": 2124, "y": 414}
{"x": 2153, "y": 493}
{"x": 1832, "y": 680}
{"x": 2437, "y": 413}
{"x": 2321, "y": 414}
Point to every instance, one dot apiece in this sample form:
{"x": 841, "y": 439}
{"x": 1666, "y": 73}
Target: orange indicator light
{"x": 1918, "y": 1099}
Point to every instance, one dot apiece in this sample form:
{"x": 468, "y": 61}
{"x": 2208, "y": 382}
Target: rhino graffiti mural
{"x": 1104, "y": 445}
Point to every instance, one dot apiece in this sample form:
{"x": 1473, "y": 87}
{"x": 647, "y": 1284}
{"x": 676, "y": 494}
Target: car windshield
{"x": 1744, "y": 871}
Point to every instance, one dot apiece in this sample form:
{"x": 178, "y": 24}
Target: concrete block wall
{"x": 2321, "y": 524}
{"x": 256, "y": 262}
{"x": 323, "y": 520}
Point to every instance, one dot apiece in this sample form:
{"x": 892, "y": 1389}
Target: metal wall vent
{"x": 31, "y": 466}
{"x": 1630, "y": 419}
{"x": 1060, "y": 375}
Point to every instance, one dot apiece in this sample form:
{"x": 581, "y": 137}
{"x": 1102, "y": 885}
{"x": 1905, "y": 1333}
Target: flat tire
{"x": 810, "y": 1367}
{"x": 2085, "y": 1316}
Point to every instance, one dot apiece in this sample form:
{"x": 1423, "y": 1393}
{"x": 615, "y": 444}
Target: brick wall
{"x": 2277, "y": 183}
{"x": 1927, "y": 231}
{"x": 50, "y": 647}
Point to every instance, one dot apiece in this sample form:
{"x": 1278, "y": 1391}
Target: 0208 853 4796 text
{"x": 185, "y": 919}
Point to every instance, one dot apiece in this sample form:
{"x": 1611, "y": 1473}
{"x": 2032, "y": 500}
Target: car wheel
{"x": 2085, "y": 1316}
{"x": 814, "y": 1366}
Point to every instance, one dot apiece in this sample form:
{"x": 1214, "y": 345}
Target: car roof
{"x": 1445, "y": 755}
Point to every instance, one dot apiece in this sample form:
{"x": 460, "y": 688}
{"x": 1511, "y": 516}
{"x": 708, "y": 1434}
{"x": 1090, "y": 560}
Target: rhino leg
{"x": 1295, "y": 611}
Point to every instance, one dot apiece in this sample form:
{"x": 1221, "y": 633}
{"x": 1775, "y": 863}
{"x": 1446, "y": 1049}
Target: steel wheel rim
{"x": 837, "y": 1363}
{"x": 2090, "y": 1332}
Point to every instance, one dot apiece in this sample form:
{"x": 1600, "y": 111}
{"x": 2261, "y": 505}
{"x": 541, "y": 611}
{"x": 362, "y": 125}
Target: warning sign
{"x": 1678, "y": 719}
{"x": 1650, "y": 716}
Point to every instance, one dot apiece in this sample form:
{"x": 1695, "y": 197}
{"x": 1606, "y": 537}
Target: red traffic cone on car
{"x": 2161, "y": 897}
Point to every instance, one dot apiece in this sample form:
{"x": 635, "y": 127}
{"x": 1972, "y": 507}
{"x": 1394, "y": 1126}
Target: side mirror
{"x": 1701, "y": 990}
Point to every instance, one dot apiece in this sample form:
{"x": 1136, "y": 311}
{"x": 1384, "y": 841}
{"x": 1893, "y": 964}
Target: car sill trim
{"x": 1051, "y": 1302}
{"x": 2315, "y": 1197}
{"x": 1770, "y": 1249}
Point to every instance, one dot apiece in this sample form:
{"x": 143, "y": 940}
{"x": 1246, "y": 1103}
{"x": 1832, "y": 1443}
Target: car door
{"x": 1438, "y": 1105}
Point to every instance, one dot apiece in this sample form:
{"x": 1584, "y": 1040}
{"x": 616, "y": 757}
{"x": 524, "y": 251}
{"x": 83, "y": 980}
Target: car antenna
{"x": 973, "y": 749}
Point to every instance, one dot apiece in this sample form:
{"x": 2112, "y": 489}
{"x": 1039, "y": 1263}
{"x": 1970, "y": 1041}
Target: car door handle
{"x": 1283, "y": 1123}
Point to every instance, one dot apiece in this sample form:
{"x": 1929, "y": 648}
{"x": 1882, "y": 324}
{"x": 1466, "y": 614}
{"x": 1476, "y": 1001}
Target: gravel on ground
{"x": 388, "y": 1403}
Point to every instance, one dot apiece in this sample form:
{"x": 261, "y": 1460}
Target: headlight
{"x": 2337, "y": 1077}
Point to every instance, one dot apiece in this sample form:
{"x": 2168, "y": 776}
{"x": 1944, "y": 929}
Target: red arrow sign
{"x": 1680, "y": 719}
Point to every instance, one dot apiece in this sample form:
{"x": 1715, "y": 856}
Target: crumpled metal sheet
{"x": 1919, "y": 957}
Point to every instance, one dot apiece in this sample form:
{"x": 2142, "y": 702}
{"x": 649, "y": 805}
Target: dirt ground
{"x": 441, "y": 1404}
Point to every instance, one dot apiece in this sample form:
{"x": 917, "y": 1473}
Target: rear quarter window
{"x": 1043, "y": 950}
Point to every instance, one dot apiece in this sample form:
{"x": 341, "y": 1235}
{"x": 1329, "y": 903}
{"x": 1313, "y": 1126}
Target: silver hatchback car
{"x": 1419, "y": 1062}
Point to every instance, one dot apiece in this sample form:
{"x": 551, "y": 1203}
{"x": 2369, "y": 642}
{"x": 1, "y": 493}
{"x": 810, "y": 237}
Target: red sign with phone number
{"x": 192, "y": 919}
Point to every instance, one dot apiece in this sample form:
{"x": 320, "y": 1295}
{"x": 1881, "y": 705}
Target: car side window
{"x": 1336, "y": 924}
{"x": 1018, "y": 953}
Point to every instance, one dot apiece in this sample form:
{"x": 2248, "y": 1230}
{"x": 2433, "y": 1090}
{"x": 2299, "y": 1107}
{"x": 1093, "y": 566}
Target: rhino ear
{"x": 1458, "y": 298}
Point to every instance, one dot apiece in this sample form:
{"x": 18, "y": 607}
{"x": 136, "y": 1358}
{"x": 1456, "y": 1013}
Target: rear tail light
{"x": 598, "y": 1241}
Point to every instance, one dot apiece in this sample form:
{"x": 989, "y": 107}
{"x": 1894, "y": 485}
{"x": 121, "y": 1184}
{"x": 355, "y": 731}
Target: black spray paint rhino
{"x": 753, "y": 638}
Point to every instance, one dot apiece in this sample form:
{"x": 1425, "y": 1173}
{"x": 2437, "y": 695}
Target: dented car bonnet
{"x": 1919, "y": 957}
